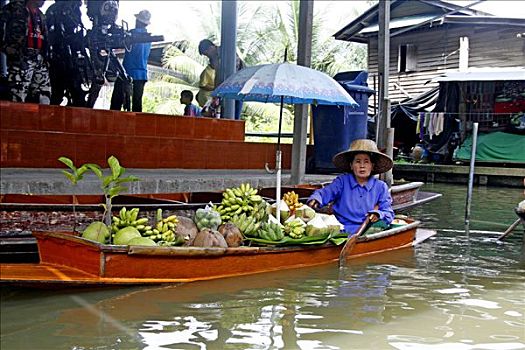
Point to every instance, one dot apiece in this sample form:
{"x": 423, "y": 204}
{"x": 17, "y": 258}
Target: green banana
{"x": 122, "y": 213}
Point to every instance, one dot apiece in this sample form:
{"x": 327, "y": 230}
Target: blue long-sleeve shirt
{"x": 352, "y": 202}
{"x": 136, "y": 61}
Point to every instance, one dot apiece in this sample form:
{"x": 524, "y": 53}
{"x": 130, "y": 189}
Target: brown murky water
{"x": 455, "y": 291}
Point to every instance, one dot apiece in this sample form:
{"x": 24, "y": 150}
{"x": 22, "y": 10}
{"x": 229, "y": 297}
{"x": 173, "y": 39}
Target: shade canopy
{"x": 284, "y": 82}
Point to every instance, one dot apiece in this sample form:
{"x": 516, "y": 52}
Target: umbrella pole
{"x": 278, "y": 155}
{"x": 278, "y": 187}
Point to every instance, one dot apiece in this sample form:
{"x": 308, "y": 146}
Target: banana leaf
{"x": 287, "y": 240}
{"x": 339, "y": 238}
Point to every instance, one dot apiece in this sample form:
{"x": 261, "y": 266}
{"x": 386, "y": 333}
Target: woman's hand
{"x": 374, "y": 217}
{"x": 313, "y": 204}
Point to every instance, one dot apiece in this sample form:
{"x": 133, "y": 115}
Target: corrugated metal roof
{"x": 398, "y": 23}
{"x": 401, "y": 9}
{"x": 484, "y": 74}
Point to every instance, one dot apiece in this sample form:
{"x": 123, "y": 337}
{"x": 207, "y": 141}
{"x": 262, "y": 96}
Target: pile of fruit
{"x": 242, "y": 216}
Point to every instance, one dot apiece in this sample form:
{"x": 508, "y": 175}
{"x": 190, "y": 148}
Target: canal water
{"x": 457, "y": 291}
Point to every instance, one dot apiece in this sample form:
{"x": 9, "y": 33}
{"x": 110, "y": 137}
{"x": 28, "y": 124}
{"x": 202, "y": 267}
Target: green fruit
{"x": 123, "y": 236}
{"x": 141, "y": 241}
{"x": 96, "y": 231}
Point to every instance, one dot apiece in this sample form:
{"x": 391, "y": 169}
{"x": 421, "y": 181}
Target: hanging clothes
{"x": 439, "y": 123}
{"x": 431, "y": 125}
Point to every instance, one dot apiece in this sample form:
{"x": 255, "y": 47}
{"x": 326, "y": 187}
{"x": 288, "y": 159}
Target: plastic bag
{"x": 207, "y": 218}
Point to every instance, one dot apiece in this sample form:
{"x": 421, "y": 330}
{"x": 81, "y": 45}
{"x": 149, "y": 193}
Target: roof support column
{"x": 227, "y": 51}
{"x": 304, "y": 58}
{"x": 3, "y": 59}
{"x": 383, "y": 53}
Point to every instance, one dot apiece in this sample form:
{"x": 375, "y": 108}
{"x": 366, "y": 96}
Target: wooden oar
{"x": 509, "y": 230}
{"x": 350, "y": 243}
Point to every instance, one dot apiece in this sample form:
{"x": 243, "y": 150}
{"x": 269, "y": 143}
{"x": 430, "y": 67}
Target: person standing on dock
{"x": 358, "y": 193}
{"x": 208, "y": 79}
{"x": 136, "y": 65}
{"x": 23, "y": 38}
{"x": 66, "y": 35}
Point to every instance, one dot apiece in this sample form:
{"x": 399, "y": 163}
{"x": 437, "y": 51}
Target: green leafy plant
{"x": 112, "y": 184}
{"x": 74, "y": 176}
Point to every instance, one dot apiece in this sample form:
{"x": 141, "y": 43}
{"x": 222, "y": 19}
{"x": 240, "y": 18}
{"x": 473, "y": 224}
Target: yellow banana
{"x": 171, "y": 218}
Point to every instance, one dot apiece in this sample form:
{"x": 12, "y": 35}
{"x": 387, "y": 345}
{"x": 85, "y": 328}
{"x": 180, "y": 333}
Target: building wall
{"x": 436, "y": 52}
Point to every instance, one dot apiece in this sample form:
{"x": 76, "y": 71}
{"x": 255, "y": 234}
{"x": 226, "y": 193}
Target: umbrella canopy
{"x": 283, "y": 83}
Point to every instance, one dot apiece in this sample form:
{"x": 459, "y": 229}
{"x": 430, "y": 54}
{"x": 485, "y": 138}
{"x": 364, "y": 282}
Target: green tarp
{"x": 496, "y": 147}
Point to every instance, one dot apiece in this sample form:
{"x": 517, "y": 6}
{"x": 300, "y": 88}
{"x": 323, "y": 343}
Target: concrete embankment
{"x": 483, "y": 175}
{"x": 52, "y": 181}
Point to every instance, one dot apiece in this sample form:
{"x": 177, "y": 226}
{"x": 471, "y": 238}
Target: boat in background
{"x": 69, "y": 260}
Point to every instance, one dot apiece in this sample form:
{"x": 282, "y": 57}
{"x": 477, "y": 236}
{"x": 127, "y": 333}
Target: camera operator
{"x": 66, "y": 52}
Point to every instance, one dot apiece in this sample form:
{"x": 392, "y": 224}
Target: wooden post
{"x": 383, "y": 58}
{"x": 383, "y": 122}
{"x": 304, "y": 58}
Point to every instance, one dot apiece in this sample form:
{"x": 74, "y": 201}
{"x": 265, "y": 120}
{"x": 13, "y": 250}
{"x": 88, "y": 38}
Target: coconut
{"x": 209, "y": 238}
{"x": 305, "y": 213}
{"x": 316, "y": 226}
{"x": 231, "y": 234}
{"x": 124, "y": 235}
{"x": 142, "y": 241}
{"x": 273, "y": 219}
{"x": 186, "y": 230}
{"x": 334, "y": 225}
{"x": 96, "y": 231}
{"x": 283, "y": 208}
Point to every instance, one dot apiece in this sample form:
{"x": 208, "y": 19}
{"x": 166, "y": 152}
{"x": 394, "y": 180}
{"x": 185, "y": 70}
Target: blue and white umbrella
{"x": 283, "y": 83}
{"x": 286, "y": 83}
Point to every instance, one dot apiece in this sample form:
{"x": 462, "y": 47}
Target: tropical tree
{"x": 264, "y": 33}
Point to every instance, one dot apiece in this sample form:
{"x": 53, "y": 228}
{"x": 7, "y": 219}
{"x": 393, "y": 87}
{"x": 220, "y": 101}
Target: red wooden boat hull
{"x": 71, "y": 260}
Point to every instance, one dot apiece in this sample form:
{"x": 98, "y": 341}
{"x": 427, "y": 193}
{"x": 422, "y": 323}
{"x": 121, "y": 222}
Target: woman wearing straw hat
{"x": 358, "y": 193}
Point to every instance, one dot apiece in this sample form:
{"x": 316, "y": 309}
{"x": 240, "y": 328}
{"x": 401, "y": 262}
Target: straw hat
{"x": 144, "y": 16}
{"x": 382, "y": 162}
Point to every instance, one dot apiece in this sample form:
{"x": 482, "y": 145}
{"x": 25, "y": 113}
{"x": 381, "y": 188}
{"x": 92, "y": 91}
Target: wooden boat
{"x": 66, "y": 259}
{"x": 20, "y": 214}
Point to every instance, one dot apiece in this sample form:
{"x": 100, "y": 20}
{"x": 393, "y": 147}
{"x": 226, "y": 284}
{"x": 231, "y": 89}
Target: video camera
{"x": 105, "y": 36}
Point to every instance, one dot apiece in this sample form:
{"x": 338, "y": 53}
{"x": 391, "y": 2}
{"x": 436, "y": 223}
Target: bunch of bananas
{"x": 271, "y": 231}
{"x": 261, "y": 211}
{"x": 248, "y": 225}
{"x": 295, "y": 228}
{"x": 242, "y": 199}
{"x": 129, "y": 218}
{"x": 164, "y": 230}
{"x": 292, "y": 200}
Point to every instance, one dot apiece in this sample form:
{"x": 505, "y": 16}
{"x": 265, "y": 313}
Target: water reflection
{"x": 453, "y": 292}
